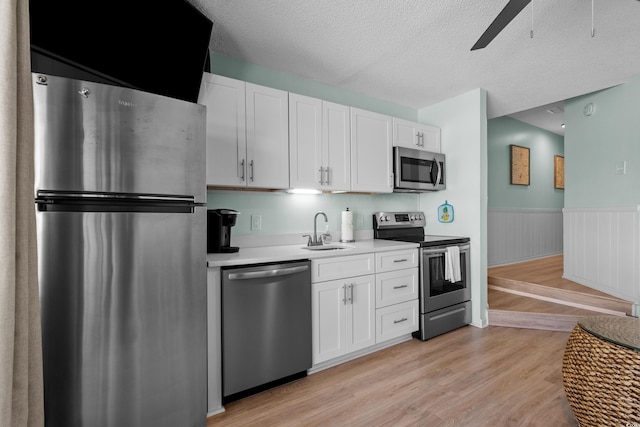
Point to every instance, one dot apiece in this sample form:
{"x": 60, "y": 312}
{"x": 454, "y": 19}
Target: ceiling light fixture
{"x": 562, "y": 126}
{"x": 555, "y": 110}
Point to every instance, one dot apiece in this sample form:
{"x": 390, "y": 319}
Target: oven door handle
{"x": 441, "y": 250}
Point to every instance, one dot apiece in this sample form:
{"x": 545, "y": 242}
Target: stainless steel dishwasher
{"x": 266, "y": 326}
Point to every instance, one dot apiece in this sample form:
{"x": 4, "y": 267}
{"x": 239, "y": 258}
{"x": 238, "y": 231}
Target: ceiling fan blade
{"x": 510, "y": 11}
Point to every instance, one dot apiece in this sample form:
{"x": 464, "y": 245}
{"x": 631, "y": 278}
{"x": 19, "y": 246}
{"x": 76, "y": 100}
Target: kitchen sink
{"x": 326, "y": 247}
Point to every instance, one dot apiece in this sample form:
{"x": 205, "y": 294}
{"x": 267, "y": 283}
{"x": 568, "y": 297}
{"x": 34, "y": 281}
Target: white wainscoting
{"x": 516, "y": 235}
{"x": 602, "y": 249}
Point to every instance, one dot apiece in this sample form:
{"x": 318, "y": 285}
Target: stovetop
{"x": 409, "y": 227}
{"x": 430, "y": 240}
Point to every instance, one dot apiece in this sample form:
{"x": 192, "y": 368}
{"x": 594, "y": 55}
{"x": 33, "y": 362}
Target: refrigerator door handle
{"x": 51, "y": 196}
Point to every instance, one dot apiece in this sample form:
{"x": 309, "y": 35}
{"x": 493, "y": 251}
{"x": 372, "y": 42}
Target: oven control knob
{"x": 386, "y": 218}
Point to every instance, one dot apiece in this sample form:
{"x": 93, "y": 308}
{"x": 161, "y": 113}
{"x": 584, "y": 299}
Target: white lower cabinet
{"x": 396, "y": 320}
{"x": 362, "y": 300}
{"x": 343, "y": 316}
{"x": 397, "y": 282}
{"x": 398, "y": 286}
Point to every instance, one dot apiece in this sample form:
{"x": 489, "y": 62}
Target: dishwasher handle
{"x": 268, "y": 273}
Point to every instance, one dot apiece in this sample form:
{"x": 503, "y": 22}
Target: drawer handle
{"x": 401, "y": 286}
{"x": 404, "y": 319}
{"x": 400, "y": 260}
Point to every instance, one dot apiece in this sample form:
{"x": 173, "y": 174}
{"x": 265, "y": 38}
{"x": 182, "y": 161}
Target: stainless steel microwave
{"x": 417, "y": 171}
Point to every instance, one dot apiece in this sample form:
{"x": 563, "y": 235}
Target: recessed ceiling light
{"x": 562, "y": 125}
{"x": 555, "y": 110}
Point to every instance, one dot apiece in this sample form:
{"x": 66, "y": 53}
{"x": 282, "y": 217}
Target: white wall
{"x": 463, "y": 124}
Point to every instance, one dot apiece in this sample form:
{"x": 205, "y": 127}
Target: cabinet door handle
{"x": 251, "y": 166}
{"x": 351, "y": 293}
{"x": 404, "y": 319}
{"x": 242, "y": 168}
{"x": 321, "y": 170}
{"x": 401, "y": 260}
{"x": 344, "y": 294}
{"x": 401, "y": 286}
{"x": 327, "y": 180}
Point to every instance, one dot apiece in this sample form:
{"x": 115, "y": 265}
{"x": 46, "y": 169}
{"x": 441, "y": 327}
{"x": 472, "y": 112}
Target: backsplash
{"x": 283, "y": 213}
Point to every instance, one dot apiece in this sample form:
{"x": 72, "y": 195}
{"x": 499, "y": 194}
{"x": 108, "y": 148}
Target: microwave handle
{"x": 439, "y": 172}
{"x": 435, "y": 179}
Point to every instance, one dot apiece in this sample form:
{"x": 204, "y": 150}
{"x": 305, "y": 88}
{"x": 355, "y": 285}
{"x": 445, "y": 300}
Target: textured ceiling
{"x": 416, "y": 53}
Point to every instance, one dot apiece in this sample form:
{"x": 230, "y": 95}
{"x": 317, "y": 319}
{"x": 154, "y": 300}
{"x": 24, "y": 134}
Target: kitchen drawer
{"x": 396, "y": 320}
{"x": 397, "y": 286}
{"x": 396, "y": 260}
{"x": 340, "y": 267}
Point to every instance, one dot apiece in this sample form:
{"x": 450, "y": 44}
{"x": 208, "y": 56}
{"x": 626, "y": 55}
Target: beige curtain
{"x": 21, "y": 390}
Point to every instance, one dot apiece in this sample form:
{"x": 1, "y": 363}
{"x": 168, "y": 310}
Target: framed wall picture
{"x": 558, "y": 172}
{"x": 519, "y": 165}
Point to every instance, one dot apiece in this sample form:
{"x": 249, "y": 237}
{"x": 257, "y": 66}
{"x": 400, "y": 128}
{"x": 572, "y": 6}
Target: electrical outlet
{"x": 621, "y": 168}
{"x": 256, "y": 222}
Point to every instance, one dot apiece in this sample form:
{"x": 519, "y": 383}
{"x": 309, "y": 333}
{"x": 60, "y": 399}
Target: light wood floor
{"x": 542, "y": 278}
{"x": 494, "y": 376}
{"x": 544, "y": 271}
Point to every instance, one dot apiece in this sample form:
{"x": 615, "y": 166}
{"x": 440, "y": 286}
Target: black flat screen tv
{"x": 157, "y": 47}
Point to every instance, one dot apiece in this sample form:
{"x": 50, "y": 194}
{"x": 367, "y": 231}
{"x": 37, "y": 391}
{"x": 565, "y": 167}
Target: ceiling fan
{"x": 510, "y": 11}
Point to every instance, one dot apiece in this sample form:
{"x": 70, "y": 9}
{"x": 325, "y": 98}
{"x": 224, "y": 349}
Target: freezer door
{"x": 123, "y": 303}
{"x": 106, "y": 139}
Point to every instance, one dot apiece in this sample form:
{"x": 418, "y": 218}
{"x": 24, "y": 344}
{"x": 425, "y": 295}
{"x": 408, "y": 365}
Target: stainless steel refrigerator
{"x": 120, "y": 205}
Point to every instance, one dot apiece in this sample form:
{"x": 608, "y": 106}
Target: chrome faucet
{"x": 314, "y": 241}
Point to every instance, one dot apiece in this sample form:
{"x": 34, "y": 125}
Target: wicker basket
{"x": 601, "y": 380}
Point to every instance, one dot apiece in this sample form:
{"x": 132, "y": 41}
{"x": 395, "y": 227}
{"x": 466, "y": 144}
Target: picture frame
{"x": 520, "y": 169}
{"x": 558, "y": 172}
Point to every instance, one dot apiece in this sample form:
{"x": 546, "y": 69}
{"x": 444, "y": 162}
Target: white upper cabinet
{"x": 371, "y": 152}
{"x": 247, "y": 133}
{"x": 267, "y": 118}
{"x": 226, "y": 135}
{"x": 260, "y": 137}
{"x": 305, "y": 141}
{"x": 336, "y": 145}
{"x": 319, "y": 144}
{"x": 415, "y": 135}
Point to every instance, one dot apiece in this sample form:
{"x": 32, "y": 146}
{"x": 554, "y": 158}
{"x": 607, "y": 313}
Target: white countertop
{"x": 257, "y": 255}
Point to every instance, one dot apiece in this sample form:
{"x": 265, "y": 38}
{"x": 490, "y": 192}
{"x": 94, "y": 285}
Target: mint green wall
{"x": 463, "y": 124}
{"x": 256, "y": 74}
{"x": 597, "y": 145}
{"x": 284, "y": 213}
{"x": 543, "y": 145}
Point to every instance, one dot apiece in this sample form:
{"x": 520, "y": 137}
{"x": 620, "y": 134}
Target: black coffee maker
{"x": 219, "y": 223}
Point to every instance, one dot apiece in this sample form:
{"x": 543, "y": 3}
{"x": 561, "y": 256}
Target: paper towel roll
{"x": 347, "y": 226}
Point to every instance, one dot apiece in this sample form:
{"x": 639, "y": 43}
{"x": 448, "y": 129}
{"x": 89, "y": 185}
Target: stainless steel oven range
{"x": 445, "y": 298}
